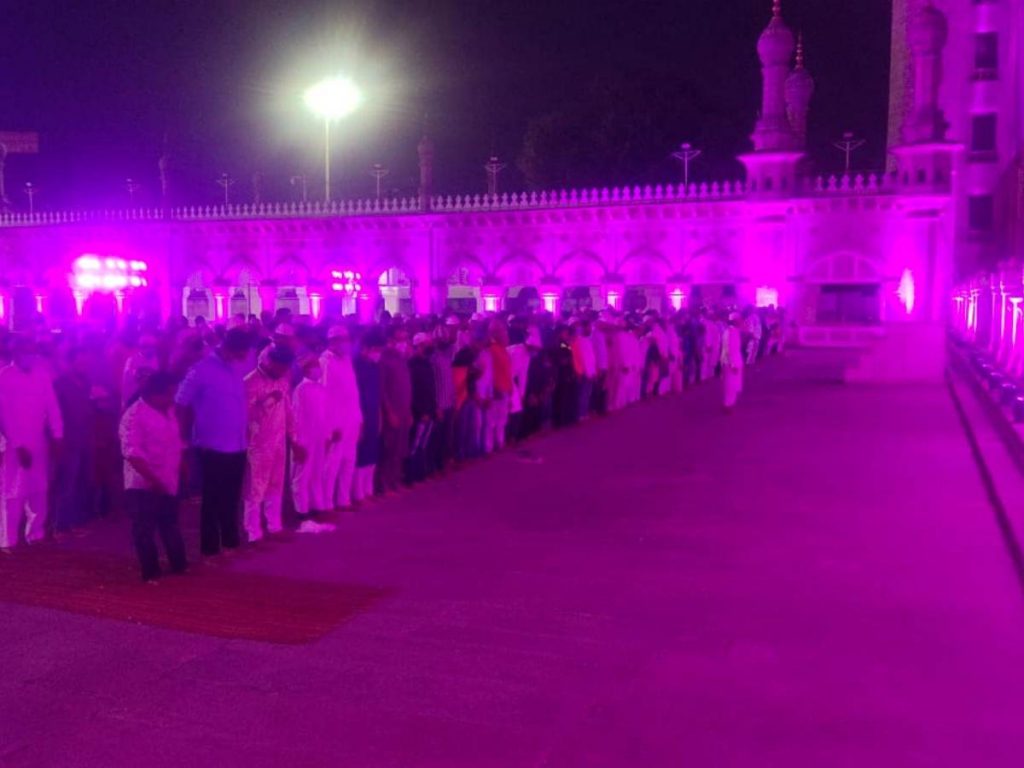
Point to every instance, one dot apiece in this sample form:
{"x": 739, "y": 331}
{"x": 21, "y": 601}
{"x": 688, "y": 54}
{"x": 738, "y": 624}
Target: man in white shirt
{"x": 29, "y": 415}
{"x": 152, "y": 447}
{"x": 732, "y": 360}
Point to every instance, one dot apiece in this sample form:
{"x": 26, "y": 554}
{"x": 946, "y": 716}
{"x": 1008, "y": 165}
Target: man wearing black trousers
{"x": 212, "y": 410}
{"x": 152, "y": 448}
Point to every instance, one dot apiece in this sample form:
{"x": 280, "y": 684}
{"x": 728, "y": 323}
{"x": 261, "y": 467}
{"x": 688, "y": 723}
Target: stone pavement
{"x": 815, "y": 580}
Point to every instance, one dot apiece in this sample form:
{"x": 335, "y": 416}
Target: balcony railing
{"x": 853, "y": 184}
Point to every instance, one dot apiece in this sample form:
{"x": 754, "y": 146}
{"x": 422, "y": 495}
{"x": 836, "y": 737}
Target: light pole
{"x": 331, "y": 100}
{"x": 30, "y": 190}
{"x": 226, "y": 182}
{"x": 132, "y": 186}
{"x": 685, "y": 154}
{"x": 378, "y": 173}
{"x": 848, "y": 146}
{"x": 493, "y": 168}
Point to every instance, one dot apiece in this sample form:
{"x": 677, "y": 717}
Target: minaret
{"x": 926, "y": 37}
{"x": 772, "y": 166}
{"x": 799, "y": 90}
{"x": 426, "y": 153}
{"x": 775, "y": 48}
{"x": 924, "y": 158}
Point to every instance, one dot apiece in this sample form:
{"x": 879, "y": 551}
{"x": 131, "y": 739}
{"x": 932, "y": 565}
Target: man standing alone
{"x": 732, "y": 360}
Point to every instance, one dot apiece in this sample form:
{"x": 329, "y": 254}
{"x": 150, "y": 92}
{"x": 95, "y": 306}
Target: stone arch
{"x": 237, "y": 265}
{"x": 581, "y": 267}
{"x": 841, "y": 267}
{"x": 520, "y": 268}
{"x": 645, "y": 266}
{"x": 291, "y": 270}
{"x": 711, "y": 264}
{"x": 380, "y": 267}
{"x": 464, "y": 269}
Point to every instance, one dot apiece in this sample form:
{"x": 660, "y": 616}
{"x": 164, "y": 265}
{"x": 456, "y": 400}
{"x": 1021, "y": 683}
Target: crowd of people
{"x": 261, "y": 413}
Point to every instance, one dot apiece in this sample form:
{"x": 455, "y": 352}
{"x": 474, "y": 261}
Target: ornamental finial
{"x": 800, "y": 50}
{"x": 776, "y": 9}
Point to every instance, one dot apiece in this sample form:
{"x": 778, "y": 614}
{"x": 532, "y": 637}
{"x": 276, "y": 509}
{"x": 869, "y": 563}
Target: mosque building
{"x": 866, "y": 261}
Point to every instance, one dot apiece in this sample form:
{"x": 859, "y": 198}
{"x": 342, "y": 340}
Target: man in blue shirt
{"x": 212, "y": 412}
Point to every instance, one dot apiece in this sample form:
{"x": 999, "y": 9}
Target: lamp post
{"x": 686, "y": 155}
{"x": 331, "y": 100}
{"x": 848, "y": 146}
{"x": 226, "y": 183}
{"x": 379, "y": 172}
{"x": 31, "y": 190}
{"x": 132, "y": 186}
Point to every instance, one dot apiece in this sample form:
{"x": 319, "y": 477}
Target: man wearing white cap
{"x": 732, "y": 360}
{"x": 343, "y": 418}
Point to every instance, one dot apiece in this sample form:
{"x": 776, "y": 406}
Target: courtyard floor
{"x": 815, "y": 580}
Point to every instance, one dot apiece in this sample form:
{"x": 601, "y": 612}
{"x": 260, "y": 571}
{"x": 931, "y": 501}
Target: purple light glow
{"x": 905, "y": 291}
{"x": 676, "y": 298}
{"x": 91, "y": 273}
{"x": 346, "y": 281}
{"x": 766, "y": 296}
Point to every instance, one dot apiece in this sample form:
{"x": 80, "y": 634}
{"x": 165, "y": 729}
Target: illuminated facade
{"x": 842, "y": 255}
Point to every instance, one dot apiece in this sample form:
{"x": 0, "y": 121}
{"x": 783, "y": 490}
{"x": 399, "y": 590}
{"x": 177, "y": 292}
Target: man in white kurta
{"x": 732, "y": 360}
{"x": 28, "y": 414}
{"x": 309, "y": 403}
{"x": 343, "y": 417}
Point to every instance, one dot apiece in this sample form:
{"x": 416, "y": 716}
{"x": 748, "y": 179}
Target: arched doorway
{"x": 842, "y": 289}
{"x": 463, "y": 293}
{"x": 582, "y": 273}
{"x": 523, "y": 274}
{"x": 645, "y": 275}
{"x": 395, "y": 292}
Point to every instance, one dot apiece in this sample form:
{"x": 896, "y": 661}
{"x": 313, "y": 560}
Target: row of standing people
{"x": 330, "y": 417}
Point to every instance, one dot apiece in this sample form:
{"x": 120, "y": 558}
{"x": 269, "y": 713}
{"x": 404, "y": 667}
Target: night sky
{"x": 106, "y": 83}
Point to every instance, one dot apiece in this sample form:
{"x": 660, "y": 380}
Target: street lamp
{"x": 331, "y": 100}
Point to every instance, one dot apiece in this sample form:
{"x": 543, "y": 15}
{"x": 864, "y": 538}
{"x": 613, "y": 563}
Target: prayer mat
{"x": 216, "y": 601}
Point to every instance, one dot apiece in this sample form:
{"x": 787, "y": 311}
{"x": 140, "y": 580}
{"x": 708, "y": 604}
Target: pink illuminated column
{"x": 1016, "y": 315}
{"x": 491, "y": 297}
{"x": 315, "y": 304}
{"x": 613, "y": 292}
{"x": 219, "y": 304}
{"x": 550, "y": 294}
{"x": 268, "y": 297}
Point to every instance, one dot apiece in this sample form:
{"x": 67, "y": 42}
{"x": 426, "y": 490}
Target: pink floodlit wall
{"x": 700, "y": 250}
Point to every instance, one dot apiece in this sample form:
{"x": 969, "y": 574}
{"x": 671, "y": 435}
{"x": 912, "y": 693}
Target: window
{"x": 986, "y": 54}
{"x": 983, "y": 133}
{"x": 980, "y": 213}
{"x": 856, "y": 304}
